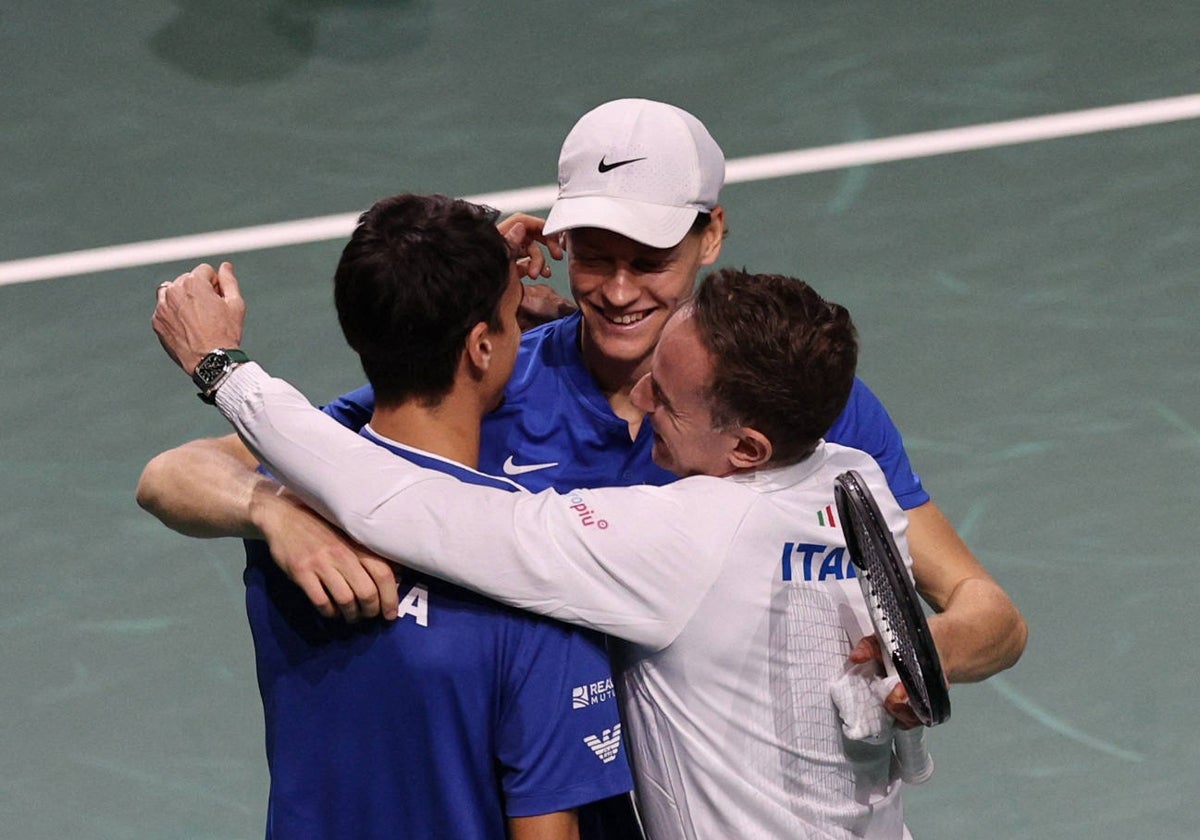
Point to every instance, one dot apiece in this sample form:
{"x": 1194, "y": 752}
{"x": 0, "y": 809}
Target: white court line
{"x": 759, "y": 167}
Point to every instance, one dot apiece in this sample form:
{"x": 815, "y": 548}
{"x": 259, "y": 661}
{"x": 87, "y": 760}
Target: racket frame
{"x": 927, "y": 687}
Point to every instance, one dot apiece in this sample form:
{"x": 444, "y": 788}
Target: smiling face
{"x": 626, "y": 291}
{"x": 675, "y": 398}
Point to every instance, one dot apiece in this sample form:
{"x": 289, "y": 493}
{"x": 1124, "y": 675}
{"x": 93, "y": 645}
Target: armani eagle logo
{"x": 606, "y": 745}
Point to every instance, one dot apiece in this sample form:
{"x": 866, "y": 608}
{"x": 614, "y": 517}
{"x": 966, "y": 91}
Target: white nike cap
{"x": 639, "y": 168}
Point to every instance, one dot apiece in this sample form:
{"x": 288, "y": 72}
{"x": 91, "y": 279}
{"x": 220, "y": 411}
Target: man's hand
{"x": 199, "y": 312}
{"x": 896, "y": 703}
{"x": 338, "y": 575}
{"x": 525, "y": 241}
{"x": 540, "y": 303}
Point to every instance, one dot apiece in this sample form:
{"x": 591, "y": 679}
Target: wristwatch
{"x": 214, "y": 369}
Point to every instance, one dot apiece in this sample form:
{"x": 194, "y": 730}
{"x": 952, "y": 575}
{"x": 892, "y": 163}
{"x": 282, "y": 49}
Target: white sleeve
{"x": 632, "y": 562}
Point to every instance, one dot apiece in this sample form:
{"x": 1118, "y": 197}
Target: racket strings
{"x": 895, "y": 631}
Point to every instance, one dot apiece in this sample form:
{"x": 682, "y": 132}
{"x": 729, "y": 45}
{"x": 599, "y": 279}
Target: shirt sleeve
{"x": 559, "y": 740}
{"x": 866, "y": 425}
{"x": 353, "y": 410}
{"x": 631, "y": 562}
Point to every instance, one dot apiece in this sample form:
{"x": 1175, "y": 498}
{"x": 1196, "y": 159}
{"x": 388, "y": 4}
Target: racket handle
{"x": 916, "y": 764}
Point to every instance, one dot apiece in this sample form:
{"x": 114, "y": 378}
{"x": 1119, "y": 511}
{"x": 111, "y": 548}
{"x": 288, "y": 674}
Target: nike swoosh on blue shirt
{"x": 520, "y": 469}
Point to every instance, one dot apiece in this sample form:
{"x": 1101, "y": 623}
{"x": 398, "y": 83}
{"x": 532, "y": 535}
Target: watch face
{"x": 210, "y": 369}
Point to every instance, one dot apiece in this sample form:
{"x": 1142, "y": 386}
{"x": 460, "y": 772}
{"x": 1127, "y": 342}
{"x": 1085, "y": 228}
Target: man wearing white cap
{"x": 639, "y": 168}
{"x": 638, "y": 212}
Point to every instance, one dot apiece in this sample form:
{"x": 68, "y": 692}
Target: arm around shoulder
{"x": 212, "y": 488}
{"x": 204, "y": 488}
{"x": 978, "y": 629}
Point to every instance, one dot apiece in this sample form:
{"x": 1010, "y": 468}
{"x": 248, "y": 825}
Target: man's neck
{"x": 449, "y": 429}
{"x": 616, "y": 379}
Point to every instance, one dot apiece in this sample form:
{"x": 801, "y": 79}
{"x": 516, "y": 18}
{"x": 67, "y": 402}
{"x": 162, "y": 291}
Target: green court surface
{"x": 1028, "y": 312}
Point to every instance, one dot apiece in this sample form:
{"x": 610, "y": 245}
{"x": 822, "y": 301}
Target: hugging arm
{"x": 978, "y": 629}
{"x": 213, "y": 488}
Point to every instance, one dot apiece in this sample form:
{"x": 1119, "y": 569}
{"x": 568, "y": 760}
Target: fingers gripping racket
{"x": 908, "y": 649}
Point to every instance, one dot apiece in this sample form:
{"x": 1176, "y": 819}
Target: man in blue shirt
{"x": 461, "y": 718}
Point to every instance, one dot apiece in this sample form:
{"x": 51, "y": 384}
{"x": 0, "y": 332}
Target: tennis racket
{"x": 908, "y": 649}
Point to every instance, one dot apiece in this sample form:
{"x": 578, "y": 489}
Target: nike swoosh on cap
{"x": 520, "y": 469}
{"x": 606, "y": 167}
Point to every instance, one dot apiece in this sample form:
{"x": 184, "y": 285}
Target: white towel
{"x": 859, "y": 694}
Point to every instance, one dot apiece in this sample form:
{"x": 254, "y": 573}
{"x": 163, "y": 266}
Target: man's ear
{"x": 713, "y": 236}
{"x": 752, "y": 450}
{"x": 478, "y": 350}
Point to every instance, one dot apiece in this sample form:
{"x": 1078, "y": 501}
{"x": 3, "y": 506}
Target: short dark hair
{"x": 419, "y": 272}
{"x": 783, "y": 357}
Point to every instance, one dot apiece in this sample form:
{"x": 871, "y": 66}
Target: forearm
{"x": 978, "y": 629}
{"x": 979, "y": 633}
{"x": 205, "y": 488}
{"x": 533, "y": 552}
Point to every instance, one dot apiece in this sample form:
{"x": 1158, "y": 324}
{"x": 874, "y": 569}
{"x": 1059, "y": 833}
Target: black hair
{"x": 419, "y": 272}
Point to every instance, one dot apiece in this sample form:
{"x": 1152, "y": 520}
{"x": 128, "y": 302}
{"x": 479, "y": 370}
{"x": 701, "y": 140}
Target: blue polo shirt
{"x": 460, "y": 713}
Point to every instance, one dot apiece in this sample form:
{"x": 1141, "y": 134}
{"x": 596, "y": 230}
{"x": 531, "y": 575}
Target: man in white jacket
{"x": 728, "y": 594}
